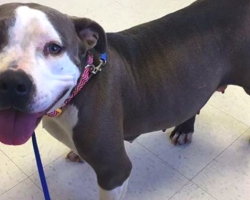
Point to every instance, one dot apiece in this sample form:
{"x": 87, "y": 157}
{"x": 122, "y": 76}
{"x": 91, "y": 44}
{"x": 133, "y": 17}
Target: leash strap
{"x": 40, "y": 168}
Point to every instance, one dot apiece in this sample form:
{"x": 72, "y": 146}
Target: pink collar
{"x": 83, "y": 80}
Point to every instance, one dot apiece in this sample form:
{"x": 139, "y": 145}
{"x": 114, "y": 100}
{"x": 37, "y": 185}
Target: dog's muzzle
{"x": 16, "y": 124}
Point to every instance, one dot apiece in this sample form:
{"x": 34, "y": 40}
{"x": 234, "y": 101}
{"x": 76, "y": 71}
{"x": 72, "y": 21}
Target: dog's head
{"x": 42, "y": 54}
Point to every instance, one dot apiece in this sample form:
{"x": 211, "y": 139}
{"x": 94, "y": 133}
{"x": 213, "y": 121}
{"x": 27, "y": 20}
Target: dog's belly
{"x": 160, "y": 116}
{"x": 61, "y": 127}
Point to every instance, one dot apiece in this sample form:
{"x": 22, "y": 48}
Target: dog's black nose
{"x": 18, "y": 88}
{"x": 15, "y": 83}
{"x": 15, "y": 88}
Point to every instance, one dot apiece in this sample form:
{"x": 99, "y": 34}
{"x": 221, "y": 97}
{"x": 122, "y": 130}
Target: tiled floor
{"x": 216, "y": 166}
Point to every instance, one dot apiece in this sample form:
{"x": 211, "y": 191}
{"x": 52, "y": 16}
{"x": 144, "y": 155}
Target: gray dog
{"x": 157, "y": 75}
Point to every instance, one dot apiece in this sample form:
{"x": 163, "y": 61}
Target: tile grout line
{"x": 214, "y": 159}
{"x": 28, "y": 176}
{"x": 15, "y": 186}
{"x": 119, "y": 3}
{"x": 39, "y": 185}
{"x": 15, "y": 164}
{"x": 179, "y": 190}
{"x": 162, "y": 160}
{"x": 204, "y": 190}
{"x": 233, "y": 142}
{"x": 228, "y": 115}
{"x": 35, "y": 160}
{"x": 189, "y": 180}
{"x": 247, "y": 129}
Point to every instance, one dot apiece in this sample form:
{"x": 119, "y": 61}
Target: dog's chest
{"x": 61, "y": 127}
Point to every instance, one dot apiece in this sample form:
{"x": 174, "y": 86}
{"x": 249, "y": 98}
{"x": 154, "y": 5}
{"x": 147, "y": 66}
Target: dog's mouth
{"x": 17, "y": 127}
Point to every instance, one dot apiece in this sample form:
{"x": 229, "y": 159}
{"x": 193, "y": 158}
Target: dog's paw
{"x": 178, "y": 138}
{"x": 183, "y": 133}
{"x": 73, "y": 157}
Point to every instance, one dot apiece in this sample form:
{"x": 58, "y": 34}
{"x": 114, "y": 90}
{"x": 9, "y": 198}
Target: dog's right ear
{"x": 90, "y": 33}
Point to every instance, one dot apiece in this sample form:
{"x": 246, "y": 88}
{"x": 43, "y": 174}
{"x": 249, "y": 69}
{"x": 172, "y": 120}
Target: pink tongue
{"x": 16, "y": 127}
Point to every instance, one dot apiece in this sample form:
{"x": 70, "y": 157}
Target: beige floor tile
{"x": 25, "y": 190}
{"x": 214, "y": 132}
{"x": 192, "y": 192}
{"x": 236, "y": 156}
{"x": 79, "y": 8}
{"x": 228, "y": 177}
{"x": 10, "y": 174}
{"x": 224, "y": 182}
{"x": 151, "y": 178}
{"x": 235, "y": 102}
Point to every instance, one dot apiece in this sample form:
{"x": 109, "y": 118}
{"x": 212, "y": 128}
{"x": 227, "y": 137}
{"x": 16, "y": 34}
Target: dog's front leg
{"x": 113, "y": 173}
{"x": 112, "y": 170}
{"x": 106, "y": 154}
{"x": 117, "y": 193}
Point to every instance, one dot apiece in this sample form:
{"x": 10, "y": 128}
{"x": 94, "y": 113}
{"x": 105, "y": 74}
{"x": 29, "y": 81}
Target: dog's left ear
{"x": 90, "y": 33}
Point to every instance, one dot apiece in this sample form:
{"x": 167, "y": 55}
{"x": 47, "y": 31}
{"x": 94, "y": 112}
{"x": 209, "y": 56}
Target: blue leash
{"x": 40, "y": 169}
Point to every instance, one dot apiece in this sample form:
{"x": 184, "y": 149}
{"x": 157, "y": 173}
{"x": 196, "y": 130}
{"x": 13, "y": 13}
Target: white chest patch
{"x": 61, "y": 127}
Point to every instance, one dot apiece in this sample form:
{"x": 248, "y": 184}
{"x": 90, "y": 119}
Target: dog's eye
{"x": 53, "y": 49}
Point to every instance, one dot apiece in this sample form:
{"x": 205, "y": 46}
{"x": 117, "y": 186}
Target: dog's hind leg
{"x": 183, "y": 133}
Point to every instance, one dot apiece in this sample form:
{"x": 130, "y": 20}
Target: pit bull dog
{"x": 157, "y": 75}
